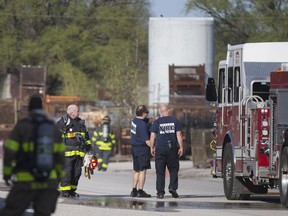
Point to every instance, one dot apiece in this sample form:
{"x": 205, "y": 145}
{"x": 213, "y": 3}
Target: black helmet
{"x": 106, "y": 120}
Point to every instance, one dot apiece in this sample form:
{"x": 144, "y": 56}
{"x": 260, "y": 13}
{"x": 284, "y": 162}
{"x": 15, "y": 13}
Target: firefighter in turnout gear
{"x": 104, "y": 138}
{"x": 20, "y": 159}
{"x": 77, "y": 142}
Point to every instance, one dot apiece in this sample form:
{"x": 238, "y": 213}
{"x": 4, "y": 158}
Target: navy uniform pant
{"x": 169, "y": 158}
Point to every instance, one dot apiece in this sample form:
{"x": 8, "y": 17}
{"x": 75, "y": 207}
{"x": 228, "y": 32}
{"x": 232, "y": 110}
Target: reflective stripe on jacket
{"x": 19, "y": 150}
{"x": 74, "y": 147}
{"x": 104, "y": 145}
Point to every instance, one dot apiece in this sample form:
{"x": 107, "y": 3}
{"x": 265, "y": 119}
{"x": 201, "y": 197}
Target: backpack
{"x": 43, "y": 157}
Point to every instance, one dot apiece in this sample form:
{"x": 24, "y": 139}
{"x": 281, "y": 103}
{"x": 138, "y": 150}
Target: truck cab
{"x": 246, "y": 152}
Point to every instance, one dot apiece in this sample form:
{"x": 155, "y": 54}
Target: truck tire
{"x": 283, "y": 175}
{"x": 229, "y": 178}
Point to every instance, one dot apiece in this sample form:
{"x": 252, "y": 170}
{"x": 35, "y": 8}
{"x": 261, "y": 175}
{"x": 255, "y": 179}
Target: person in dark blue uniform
{"x": 167, "y": 150}
{"x": 140, "y": 151}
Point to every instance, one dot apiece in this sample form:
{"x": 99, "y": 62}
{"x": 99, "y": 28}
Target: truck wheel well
{"x": 225, "y": 141}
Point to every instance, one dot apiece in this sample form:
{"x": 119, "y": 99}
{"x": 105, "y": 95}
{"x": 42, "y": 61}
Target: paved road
{"x": 107, "y": 193}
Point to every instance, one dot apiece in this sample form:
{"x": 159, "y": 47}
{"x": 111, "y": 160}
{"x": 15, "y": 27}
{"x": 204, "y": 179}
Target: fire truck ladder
{"x": 247, "y": 103}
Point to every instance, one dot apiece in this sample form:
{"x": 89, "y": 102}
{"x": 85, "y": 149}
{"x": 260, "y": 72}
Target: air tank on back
{"x": 177, "y": 41}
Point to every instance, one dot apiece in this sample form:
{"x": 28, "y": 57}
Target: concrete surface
{"x": 108, "y": 194}
{"x": 116, "y": 182}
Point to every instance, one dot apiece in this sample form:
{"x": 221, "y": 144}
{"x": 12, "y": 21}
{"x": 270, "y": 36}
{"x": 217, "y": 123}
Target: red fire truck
{"x": 251, "y": 99}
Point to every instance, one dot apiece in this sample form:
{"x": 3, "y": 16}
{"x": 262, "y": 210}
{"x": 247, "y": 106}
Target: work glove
{"x": 87, "y": 158}
{"x": 7, "y": 179}
{"x": 88, "y": 149}
{"x": 90, "y": 153}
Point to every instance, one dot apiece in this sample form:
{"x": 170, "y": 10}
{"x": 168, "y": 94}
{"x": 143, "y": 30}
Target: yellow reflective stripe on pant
{"x": 68, "y": 188}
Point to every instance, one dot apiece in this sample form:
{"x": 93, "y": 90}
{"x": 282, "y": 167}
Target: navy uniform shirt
{"x": 139, "y": 132}
{"x": 165, "y": 128}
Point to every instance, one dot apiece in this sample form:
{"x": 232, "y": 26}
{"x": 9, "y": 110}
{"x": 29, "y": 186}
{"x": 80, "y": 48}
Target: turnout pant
{"x": 169, "y": 158}
{"x": 103, "y": 158}
{"x": 72, "y": 169}
{"x": 44, "y": 201}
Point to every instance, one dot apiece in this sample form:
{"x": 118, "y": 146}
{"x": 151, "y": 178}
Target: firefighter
{"x": 104, "y": 139}
{"x": 19, "y": 159}
{"x": 77, "y": 142}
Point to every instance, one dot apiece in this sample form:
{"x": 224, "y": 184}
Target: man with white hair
{"x": 77, "y": 142}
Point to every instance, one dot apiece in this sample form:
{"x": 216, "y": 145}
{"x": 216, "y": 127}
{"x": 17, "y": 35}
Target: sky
{"x": 169, "y": 8}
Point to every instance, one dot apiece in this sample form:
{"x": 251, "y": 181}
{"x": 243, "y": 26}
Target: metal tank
{"x": 179, "y": 41}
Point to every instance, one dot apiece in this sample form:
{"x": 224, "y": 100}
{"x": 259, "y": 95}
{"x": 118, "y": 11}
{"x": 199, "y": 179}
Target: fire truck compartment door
{"x": 282, "y": 107}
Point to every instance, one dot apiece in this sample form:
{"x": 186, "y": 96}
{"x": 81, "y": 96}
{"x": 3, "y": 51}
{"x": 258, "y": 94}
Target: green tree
{"x": 241, "y": 21}
{"x": 84, "y": 43}
{"x": 126, "y": 52}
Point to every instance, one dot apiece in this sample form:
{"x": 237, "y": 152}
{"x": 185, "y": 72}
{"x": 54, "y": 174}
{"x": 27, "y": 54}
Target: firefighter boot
{"x": 73, "y": 193}
{"x": 65, "y": 194}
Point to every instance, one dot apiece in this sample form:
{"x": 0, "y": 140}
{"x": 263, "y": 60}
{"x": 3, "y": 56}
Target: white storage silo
{"x": 178, "y": 41}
